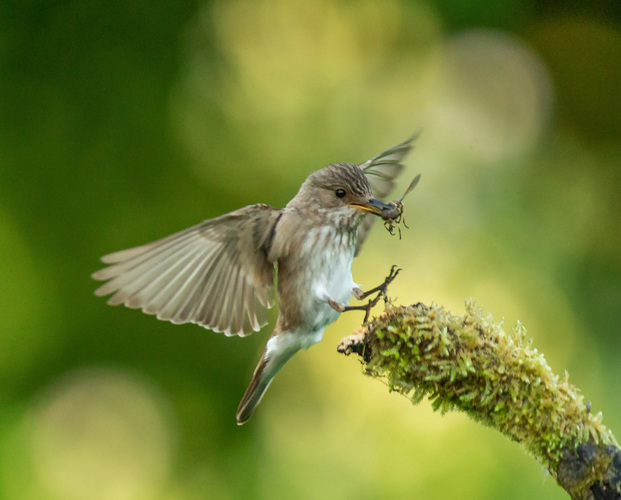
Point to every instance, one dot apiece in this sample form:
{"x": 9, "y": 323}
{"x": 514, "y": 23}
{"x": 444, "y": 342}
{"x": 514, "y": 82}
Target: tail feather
{"x": 254, "y": 392}
{"x": 271, "y": 361}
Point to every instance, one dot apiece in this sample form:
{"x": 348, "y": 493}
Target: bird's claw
{"x": 394, "y": 270}
{"x": 381, "y": 293}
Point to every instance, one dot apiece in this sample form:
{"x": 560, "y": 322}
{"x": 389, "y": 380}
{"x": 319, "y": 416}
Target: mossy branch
{"x": 469, "y": 363}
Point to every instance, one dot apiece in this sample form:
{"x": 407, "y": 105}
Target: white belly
{"x": 333, "y": 281}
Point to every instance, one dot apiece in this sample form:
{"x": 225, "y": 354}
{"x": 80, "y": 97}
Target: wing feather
{"x": 178, "y": 278}
{"x": 381, "y": 171}
{"x": 215, "y": 274}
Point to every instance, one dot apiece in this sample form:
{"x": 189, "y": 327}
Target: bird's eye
{"x": 340, "y": 193}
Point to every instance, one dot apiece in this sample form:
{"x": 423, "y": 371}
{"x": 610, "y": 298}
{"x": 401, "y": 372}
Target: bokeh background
{"x": 122, "y": 122}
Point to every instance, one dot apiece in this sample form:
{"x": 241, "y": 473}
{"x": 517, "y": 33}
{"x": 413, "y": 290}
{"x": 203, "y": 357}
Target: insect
{"x": 394, "y": 216}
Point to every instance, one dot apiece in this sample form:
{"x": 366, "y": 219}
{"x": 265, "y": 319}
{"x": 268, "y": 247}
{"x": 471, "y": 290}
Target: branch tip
{"x": 469, "y": 363}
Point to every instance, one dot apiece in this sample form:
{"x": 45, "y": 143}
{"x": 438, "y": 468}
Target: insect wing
{"x": 410, "y": 187}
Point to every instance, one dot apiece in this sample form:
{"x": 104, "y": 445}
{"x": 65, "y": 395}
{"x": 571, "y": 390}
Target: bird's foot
{"x": 360, "y": 295}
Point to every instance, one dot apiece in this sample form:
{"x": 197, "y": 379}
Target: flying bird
{"x": 219, "y": 274}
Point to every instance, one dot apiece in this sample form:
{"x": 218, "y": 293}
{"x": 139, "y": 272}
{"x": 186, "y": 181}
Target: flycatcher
{"x": 219, "y": 274}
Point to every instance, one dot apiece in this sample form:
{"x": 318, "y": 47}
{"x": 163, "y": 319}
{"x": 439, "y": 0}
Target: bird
{"x": 221, "y": 273}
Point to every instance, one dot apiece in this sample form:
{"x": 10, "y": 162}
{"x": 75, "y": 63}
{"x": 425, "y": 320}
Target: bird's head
{"x": 342, "y": 188}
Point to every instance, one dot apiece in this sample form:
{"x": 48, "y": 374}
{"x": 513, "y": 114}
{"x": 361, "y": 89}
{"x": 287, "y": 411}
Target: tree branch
{"x": 468, "y": 363}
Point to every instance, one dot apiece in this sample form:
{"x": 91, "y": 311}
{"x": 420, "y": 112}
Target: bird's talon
{"x": 337, "y": 306}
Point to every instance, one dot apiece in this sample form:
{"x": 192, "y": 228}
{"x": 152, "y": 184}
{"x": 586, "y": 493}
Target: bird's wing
{"x": 215, "y": 274}
{"x": 381, "y": 171}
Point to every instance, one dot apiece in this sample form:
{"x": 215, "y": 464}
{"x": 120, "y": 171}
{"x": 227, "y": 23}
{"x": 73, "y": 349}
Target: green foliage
{"x": 469, "y": 363}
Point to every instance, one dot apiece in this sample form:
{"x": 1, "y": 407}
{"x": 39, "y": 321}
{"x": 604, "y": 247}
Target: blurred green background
{"x": 122, "y": 122}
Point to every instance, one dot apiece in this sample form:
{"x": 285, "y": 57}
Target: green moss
{"x": 469, "y": 363}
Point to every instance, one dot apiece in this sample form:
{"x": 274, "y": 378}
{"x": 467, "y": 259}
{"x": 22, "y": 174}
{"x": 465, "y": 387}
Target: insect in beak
{"x": 393, "y": 215}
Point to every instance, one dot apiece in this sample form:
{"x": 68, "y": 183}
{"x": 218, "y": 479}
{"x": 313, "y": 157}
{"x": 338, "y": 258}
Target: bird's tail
{"x": 271, "y": 361}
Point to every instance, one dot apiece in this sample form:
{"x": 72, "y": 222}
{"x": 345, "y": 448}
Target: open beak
{"x": 372, "y": 206}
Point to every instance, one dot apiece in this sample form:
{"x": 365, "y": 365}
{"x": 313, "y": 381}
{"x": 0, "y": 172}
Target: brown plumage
{"x": 220, "y": 273}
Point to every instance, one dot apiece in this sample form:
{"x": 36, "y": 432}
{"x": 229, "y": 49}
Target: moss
{"x": 469, "y": 363}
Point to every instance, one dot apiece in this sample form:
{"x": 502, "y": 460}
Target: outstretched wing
{"x": 215, "y": 274}
{"x": 381, "y": 171}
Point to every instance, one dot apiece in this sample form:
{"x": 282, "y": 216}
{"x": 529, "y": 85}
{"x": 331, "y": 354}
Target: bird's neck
{"x": 343, "y": 219}
{"x": 331, "y": 232}
{"x": 303, "y": 231}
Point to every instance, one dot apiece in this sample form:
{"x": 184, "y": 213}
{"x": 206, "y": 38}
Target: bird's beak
{"x": 372, "y": 206}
